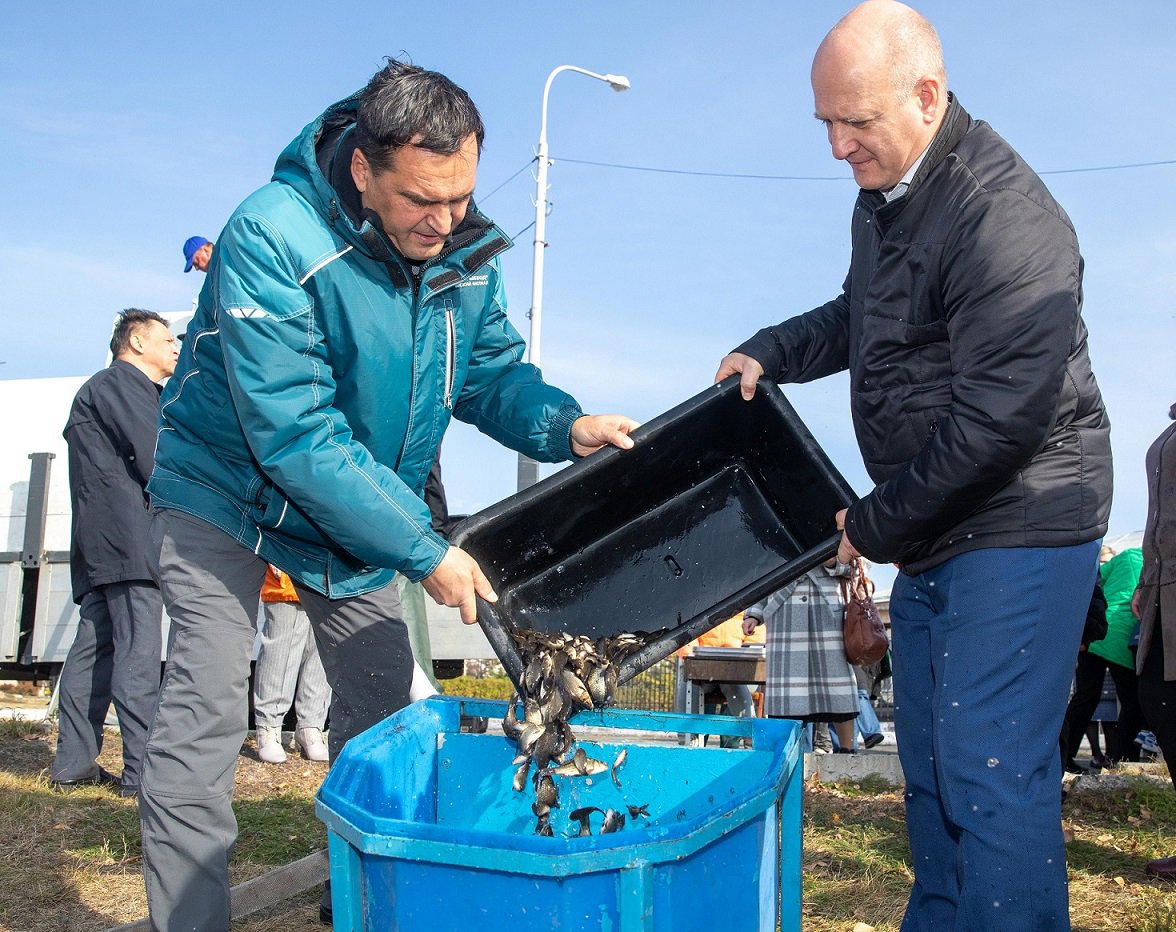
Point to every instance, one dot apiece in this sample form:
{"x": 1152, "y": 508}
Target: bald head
{"x": 880, "y": 88}
{"x": 890, "y": 39}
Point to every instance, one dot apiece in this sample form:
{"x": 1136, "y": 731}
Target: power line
{"x": 676, "y": 171}
{"x": 1108, "y": 168}
{"x": 679, "y": 171}
{"x": 485, "y": 197}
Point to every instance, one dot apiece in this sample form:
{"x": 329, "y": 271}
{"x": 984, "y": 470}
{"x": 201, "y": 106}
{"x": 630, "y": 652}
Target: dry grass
{"x": 857, "y": 862}
{"x": 71, "y": 861}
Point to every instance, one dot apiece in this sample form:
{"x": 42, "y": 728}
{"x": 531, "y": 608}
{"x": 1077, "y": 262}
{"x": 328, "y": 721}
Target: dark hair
{"x": 129, "y": 322}
{"x": 406, "y": 105}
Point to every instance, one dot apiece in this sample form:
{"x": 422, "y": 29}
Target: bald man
{"x": 982, "y": 427}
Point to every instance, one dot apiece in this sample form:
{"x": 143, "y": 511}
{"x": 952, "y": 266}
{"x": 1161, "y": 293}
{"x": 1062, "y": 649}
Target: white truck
{"x": 38, "y": 617}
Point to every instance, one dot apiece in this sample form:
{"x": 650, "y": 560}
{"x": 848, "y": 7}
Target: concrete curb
{"x": 831, "y": 768}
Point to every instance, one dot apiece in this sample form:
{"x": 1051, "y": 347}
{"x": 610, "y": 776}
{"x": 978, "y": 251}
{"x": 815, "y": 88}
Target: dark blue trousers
{"x": 984, "y": 649}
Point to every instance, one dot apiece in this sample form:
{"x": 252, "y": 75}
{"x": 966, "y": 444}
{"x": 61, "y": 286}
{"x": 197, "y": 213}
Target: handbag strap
{"x": 857, "y": 586}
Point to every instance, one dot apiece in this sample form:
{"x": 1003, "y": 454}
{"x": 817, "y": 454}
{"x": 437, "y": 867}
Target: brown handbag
{"x": 865, "y": 635}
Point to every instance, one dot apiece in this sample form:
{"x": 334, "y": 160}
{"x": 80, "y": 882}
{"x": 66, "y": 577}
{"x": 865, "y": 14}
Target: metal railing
{"x": 651, "y": 690}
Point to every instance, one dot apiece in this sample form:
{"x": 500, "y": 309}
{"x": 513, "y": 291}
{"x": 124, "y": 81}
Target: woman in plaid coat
{"x": 809, "y": 678}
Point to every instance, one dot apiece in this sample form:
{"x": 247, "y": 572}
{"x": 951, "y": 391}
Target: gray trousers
{"x": 289, "y": 669}
{"x": 211, "y": 586}
{"x": 115, "y": 657}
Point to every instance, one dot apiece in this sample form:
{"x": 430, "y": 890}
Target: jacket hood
{"x": 316, "y": 164}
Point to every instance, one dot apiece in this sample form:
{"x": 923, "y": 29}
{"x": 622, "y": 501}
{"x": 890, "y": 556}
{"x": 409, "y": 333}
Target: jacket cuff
{"x": 873, "y": 550}
{"x": 437, "y": 548}
{"x": 763, "y": 349}
{"x": 559, "y": 435}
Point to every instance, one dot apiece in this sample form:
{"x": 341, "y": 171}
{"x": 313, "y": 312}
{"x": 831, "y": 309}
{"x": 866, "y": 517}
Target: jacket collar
{"x": 955, "y": 125}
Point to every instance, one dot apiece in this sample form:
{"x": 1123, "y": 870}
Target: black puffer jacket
{"x": 973, "y": 400}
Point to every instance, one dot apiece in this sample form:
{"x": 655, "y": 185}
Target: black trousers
{"x": 1088, "y": 681}
{"x": 1157, "y": 696}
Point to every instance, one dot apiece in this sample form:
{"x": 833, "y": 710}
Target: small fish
{"x": 528, "y": 736}
{"x": 617, "y": 764}
{"x": 575, "y": 688}
{"x": 584, "y": 817}
{"x": 546, "y": 747}
{"x": 585, "y": 764}
{"x": 520, "y": 776}
{"x": 613, "y": 822}
{"x": 635, "y": 811}
{"x": 546, "y": 793}
{"x": 553, "y": 706}
{"x": 566, "y": 739}
{"x": 531, "y": 676}
{"x": 597, "y": 685}
{"x": 578, "y": 766}
{"x": 543, "y": 827}
{"x": 510, "y": 722}
{"x": 610, "y": 680}
{"x": 542, "y": 810}
{"x": 534, "y": 712}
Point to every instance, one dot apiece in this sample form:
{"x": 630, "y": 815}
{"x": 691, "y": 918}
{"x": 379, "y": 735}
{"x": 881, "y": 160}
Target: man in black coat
{"x": 983, "y": 429}
{"x": 116, "y": 655}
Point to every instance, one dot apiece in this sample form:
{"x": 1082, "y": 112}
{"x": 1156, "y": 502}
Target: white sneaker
{"x": 1147, "y": 742}
{"x": 269, "y": 745}
{"x": 312, "y": 744}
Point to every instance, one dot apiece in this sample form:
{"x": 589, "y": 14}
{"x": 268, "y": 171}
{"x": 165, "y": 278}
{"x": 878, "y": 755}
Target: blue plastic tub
{"x": 426, "y": 833}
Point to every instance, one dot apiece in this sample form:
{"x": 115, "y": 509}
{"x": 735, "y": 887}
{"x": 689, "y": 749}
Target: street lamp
{"x": 528, "y": 468}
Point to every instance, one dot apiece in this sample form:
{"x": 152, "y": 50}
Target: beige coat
{"x": 1157, "y": 582}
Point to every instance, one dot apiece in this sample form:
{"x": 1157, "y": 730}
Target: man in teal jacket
{"x": 353, "y": 305}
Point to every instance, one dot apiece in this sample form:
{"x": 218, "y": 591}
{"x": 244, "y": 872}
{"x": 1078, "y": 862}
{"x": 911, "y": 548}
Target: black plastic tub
{"x": 720, "y": 502}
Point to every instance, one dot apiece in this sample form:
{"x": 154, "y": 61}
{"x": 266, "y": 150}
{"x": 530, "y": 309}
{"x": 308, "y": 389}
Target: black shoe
{"x": 1163, "y": 869}
{"x": 325, "y": 905}
{"x": 846, "y": 751}
{"x": 872, "y": 741}
{"x": 102, "y": 778}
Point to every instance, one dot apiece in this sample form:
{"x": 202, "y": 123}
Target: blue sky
{"x": 129, "y": 128}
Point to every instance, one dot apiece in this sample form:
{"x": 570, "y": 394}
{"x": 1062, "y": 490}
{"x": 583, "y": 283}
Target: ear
{"x": 931, "y": 98}
{"x": 360, "y": 170}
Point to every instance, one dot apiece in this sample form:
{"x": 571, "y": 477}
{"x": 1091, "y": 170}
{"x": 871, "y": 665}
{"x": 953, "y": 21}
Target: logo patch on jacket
{"x": 475, "y": 280}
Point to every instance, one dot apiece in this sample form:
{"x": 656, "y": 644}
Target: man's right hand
{"x": 749, "y": 370}
{"x": 456, "y": 581}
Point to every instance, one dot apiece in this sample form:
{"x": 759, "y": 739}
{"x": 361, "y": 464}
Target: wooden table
{"x": 697, "y": 672}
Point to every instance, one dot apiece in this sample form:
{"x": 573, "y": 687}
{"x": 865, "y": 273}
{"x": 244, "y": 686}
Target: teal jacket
{"x": 315, "y": 383}
{"x": 1120, "y": 576}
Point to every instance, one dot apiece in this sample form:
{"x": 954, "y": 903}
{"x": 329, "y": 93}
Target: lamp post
{"x": 528, "y": 468}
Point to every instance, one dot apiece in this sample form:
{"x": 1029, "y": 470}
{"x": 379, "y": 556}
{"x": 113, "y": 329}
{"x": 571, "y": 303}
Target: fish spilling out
{"x": 562, "y": 675}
